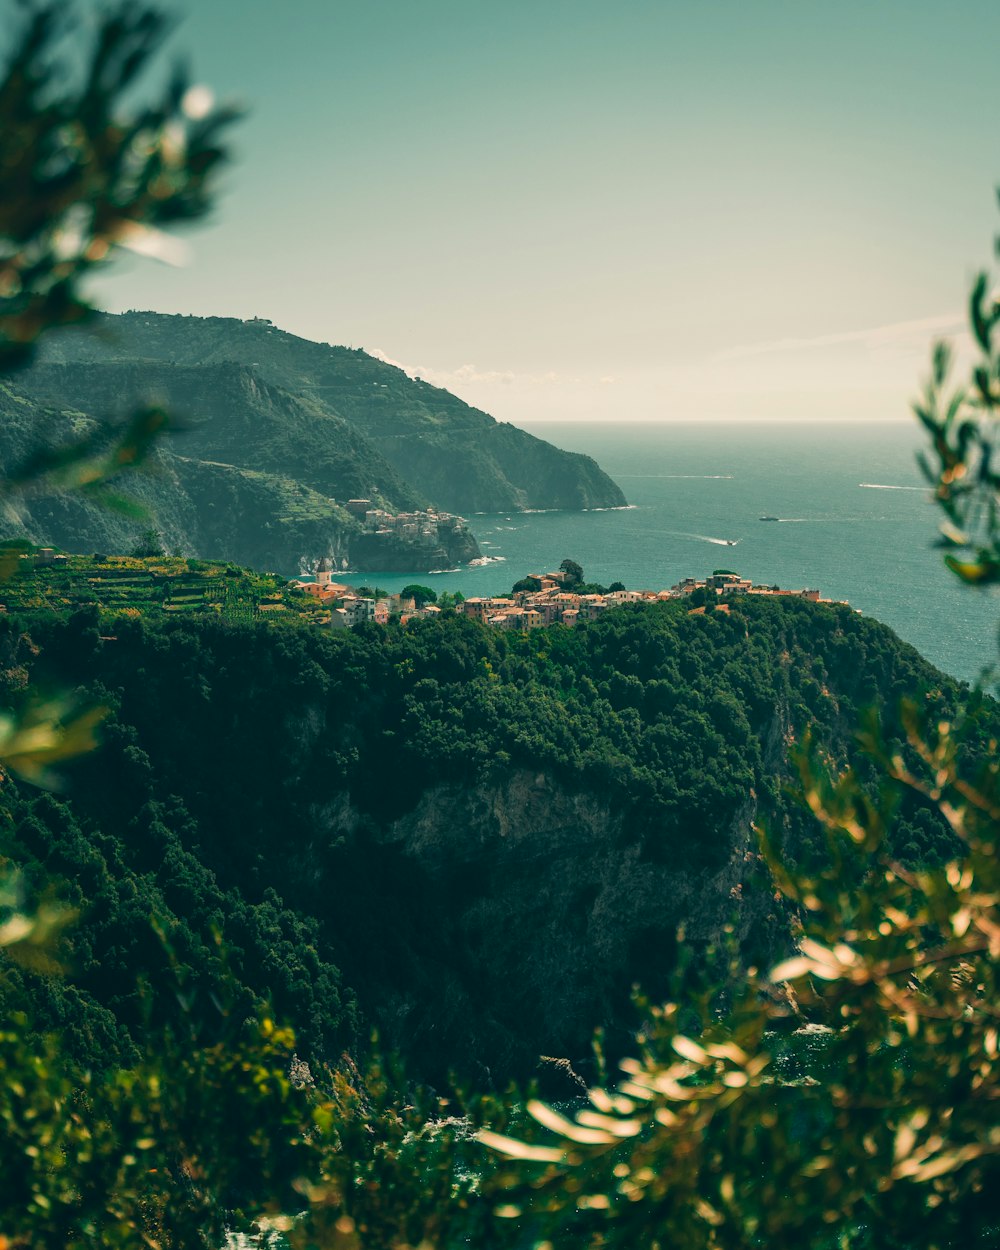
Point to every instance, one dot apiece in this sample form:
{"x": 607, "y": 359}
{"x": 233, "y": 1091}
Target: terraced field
{"x": 157, "y": 586}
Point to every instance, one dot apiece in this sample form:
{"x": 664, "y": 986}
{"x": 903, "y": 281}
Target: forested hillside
{"x": 272, "y": 435}
{"x": 476, "y": 840}
{"x": 204, "y": 491}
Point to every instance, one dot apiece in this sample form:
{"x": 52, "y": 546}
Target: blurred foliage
{"x": 873, "y": 1123}
{"x": 46, "y": 733}
{"x": 28, "y": 935}
{"x": 404, "y": 1172}
{"x": 81, "y": 177}
{"x": 217, "y": 1128}
{"x": 960, "y": 464}
{"x": 140, "y": 1156}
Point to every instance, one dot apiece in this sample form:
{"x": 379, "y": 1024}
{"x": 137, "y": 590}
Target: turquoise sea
{"x": 855, "y": 522}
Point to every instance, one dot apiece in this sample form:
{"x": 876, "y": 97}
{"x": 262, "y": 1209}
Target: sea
{"x": 854, "y": 521}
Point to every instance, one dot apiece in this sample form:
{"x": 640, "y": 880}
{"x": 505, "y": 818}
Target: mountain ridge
{"x": 418, "y": 428}
{"x": 273, "y": 436}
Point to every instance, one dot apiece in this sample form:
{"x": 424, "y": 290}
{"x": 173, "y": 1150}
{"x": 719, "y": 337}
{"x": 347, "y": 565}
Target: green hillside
{"x": 445, "y": 451}
{"x": 476, "y": 840}
{"x": 203, "y": 490}
{"x": 233, "y": 416}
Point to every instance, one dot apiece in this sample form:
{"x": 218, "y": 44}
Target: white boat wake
{"x": 706, "y": 538}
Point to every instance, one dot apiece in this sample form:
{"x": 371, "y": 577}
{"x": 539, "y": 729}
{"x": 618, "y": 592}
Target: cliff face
{"x": 504, "y": 469}
{"x": 540, "y": 907}
{"x": 229, "y": 414}
{"x": 259, "y": 520}
{"x": 390, "y": 554}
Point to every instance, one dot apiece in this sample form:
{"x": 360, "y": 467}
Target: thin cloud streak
{"x": 896, "y": 334}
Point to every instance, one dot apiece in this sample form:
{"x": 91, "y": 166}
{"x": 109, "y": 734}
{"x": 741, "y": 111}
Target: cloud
{"x": 472, "y": 375}
{"x": 896, "y": 334}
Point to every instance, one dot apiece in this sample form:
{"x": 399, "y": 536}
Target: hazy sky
{"x": 604, "y": 208}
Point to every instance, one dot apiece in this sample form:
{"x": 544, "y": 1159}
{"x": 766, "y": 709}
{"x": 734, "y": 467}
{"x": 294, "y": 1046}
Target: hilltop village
{"x": 540, "y": 599}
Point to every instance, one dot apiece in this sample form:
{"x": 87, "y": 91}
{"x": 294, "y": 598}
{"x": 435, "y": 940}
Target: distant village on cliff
{"x": 548, "y": 601}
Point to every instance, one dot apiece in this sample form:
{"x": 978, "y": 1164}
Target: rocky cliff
{"x": 534, "y": 907}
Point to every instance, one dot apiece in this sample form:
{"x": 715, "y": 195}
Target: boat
{"x": 770, "y": 518}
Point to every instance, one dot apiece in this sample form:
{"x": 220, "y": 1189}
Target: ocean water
{"x": 855, "y": 521}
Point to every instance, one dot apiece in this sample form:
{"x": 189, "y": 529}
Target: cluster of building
{"x": 419, "y": 527}
{"x": 733, "y": 584}
{"x": 348, "y": 609}
{"x": 546, "y": 602}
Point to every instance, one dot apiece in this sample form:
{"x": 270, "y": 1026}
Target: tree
{"x": 573, "y": 571}
{"x": 420, "y": 595}
{"x": 148, "y": 546}
{"x": 81, "y": 176}
{"x": 84, "y": 177}
{"x": 960, "y": 464}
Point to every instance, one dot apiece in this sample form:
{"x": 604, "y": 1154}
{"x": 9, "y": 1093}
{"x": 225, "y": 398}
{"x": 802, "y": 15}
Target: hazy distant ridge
{"x": 444, "y": 451}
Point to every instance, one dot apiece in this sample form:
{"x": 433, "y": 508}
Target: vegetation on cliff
{"x": 408, "y": 788}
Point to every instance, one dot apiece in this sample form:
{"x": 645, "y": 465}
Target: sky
{"x": 603, "y": 209}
